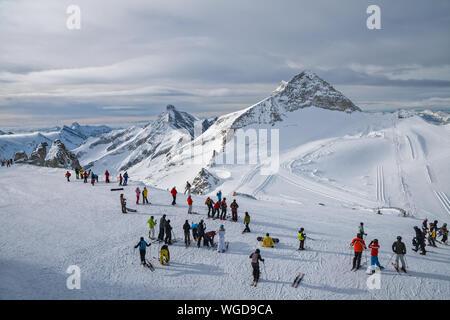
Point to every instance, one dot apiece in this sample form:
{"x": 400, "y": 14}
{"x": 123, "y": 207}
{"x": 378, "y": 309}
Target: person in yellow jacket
{"x": 144, "y": 195}
{"x": 164, "y": 256}
{"x": 268, "y": 241}
{"x": 151, "y": 224}
{"x": 301, "y": 238}
{"x": 246, "y": 222}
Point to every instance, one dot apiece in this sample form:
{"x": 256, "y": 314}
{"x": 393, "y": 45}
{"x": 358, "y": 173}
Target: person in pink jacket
{"x": 138, "y": 193}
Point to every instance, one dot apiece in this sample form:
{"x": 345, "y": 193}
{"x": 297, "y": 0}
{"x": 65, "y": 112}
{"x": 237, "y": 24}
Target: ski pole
{"x": 391, "y": 258}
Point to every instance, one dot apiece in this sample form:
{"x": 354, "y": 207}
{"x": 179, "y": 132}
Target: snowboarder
{"x": 209, "y": 203}
{"x": 268, "y": 241}
{"x": 168, "y": 231}
{"x": 187, "y": 233}
{"x": 120, "y": 179}
{"x": 189, "y": 201}
{"x": 301, "y": 238}
{"x": 125, "y": 178}
{"x": 246, "y": 222}
{"x": 164, "y": 255}
{"x": 256, "y": 257}
{"x": 223, "y": 215}
{"x": 151, "y": 225}
{"x": 419, "y": 241}
{"x": 68, "y": 176}
{"x": 174, "y": 195}
{"x": 144, "y": 196}
{"x": 106, "y": 176}
{"x": 361, "y": 230}
{"x": 138, "y": 193}
{"x": 142, "y": 244}
{"x": 221, "y": 246}
{"x": 374, "y": 255}
{"x": 234, "y": 206}
{"x": 200, "y": 232}
{"x": 162, "y": 226}
{"x": 219, "y": 195}
{"x": 188, "y": 188}
{"x": 399, "y": 248}
{"x": 358, "y": 245}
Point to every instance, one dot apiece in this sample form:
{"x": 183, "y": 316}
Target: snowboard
{"x": 116, "y": 189}
{"x": 275, "y": 240}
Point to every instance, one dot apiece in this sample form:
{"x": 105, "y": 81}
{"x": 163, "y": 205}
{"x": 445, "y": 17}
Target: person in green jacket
{"x": 151, "y": 224}
{"x": 246, "y": 222}
{"x": 301, "y": 238}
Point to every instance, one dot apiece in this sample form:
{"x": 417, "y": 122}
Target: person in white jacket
{"x": 221, "y": 246}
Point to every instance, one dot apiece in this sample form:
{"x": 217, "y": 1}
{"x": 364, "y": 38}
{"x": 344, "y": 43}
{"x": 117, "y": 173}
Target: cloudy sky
{"x": 209, "y": 57}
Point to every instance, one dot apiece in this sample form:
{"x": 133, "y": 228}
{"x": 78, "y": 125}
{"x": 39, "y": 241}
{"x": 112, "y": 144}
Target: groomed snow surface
{"x": 48, "y": 224}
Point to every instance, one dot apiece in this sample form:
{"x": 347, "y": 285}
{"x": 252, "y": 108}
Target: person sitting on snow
{"x": 268, "y": 241}
{"x": 164, "y": 255}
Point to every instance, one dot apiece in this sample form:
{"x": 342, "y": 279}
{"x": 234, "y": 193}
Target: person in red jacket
{"x": 107, "y": 176}
{"x": 68, "y": 176}
{"x": 174, "y": 195}
{"x": 120, "y": 179}
{"x": 189, "y": 201}
{"x": 374, "y": 255}
{"x": 359, "y": 245}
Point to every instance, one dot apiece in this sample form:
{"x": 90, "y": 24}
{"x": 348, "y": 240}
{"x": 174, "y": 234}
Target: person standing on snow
{"x": 142, "y": 244}
{"x": 419, "y": 241}
{"x": 85, "y": 177}
{"x": 358, "y": 245}
{"x": 77, "y": 173}
{"x": 81, "y": 173}
{"x": 168, "y": 231}
{"x": 221, "y": 247}
{"x": 106, "y": 176}
{"x": 174, "y": 192}
{"x": 151, "y": 224}
{"x": 399, "y": 248}
{"x": 120, "y": 179}
{"x": 209, "y": 203}
{"x": 200, "y": 232}
{"x": 219, "y": 196}
{"x": 189, "y": 201}
{"x": 123, "y": 203}
{"x": 223, "y": 215}
{"x": 125, "y": 178}
{"x": 68, "y": 176}
{"x": 444, "y": 233}
{"x": 361, "y": 230}
{"x": 246, "y": 222}
{"x": 216, "y": 208}
{"x": 188, "y": 188}
{"x": 432, "y": 235}
{"x": 234, "y": 206}
{"x": 187, "y": 233}
{"x": 162, "y": 227}
{"x": 144, "y": 196}
{"x": 256, "y": 257}
{"x": 92, "y": 179}
{"x": 301, "y": 238}
{"x": 138, "y": 193}
{"x": 374, "y": 255}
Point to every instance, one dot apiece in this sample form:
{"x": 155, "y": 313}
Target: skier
{"x": 174, "y": 195}
{"x": 358, "y": 245}
{"x": 223, "y": 215}
{"x": 144, "y": 196}
{"x": 151, "y": 225}
{"x": 219, "y": 196}
{"x": 209, "y": 203}
{"x": 399, "y": 248}
{"x": 142, "y": 244}
{"x": 268, "y": 241}
{"x": 234, "y": 206}
{"x": 162, "y": 226}
{"x": 125, "y": 178}
{"x": 168, "y": 231}
{"x": 361, "y": 230}
{"x": 200, "y": 232}
{"x": 188, "y": 188}
{"x": 221, "y": 246}
{"x": 68, "y": 176}
{"x": 419, "y": 241}
{"x": 444, "y": 233}
{"x": 246, "y": 222}
{"x": 256, "y": 257}
{"x": 432, "y": 235}
{"x": 164, "y": 255}
{"x": 138, "y": 193}
{"x": 85, "y": 177}
{"x": 216, "y": 209}
{"x": 106, "y": 176}
{"x": 194, "y": 228}
{"x": 187, "y": 234}
{"x": 123, "y": 203}
{"x": 77, "y": 173}
{"x": 425, "y": 226}
{"x": 120, "y": 179}
{"x": 374, "y": 255}
{"x": 301, "y": 238}
{"x": 189, "y": 201}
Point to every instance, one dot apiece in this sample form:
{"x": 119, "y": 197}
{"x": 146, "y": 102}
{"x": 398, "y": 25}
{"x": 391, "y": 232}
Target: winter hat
{"x": 221, "y": 226}
{"x": 375, "y": 240}
{"x": 267, "y": 234}
{"x": 168, "y": 221}
{"x": 362, "y": 223}
{"x": 142, "y": 238}
{"x": 399, "y": 238}
{"x": 257, "y": 250}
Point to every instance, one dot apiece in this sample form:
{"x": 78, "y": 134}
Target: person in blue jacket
{"x": 125, "y": 178}
{"x": 219, "y": 195}
{"x": 142, "y": 244}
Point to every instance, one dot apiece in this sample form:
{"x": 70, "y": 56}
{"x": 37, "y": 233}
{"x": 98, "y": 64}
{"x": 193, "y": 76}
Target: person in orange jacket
{"x": 174, "y": 195}
{"x": 359, "y": 245}
{"x": 189, "y": 201}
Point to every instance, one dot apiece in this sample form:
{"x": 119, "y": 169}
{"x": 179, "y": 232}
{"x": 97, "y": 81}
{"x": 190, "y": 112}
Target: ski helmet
{"x": 257, "y": 250}
{"x": 399, "y": 238}
{"x": 142, "y": 238}
{"x": 361, "y": 223}
{"x": 267, "y": 234}
{"x": 221, "y": 226}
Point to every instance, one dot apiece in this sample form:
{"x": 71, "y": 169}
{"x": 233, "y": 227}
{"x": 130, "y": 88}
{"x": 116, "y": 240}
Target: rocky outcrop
{"x": 20, "y": 157}
{"x": 59, "y": 157}
{"x": 204, "y": 182}
{"x": 37, "y": 157}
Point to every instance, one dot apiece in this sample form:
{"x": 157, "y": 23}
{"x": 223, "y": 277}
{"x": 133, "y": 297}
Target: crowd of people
{"x": 7, "y": 162}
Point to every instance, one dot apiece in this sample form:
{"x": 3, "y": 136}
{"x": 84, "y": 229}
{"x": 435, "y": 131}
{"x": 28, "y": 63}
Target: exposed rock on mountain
{"x": 204, "y": 182}
{"x": 37, "y": 157}
{"x": 59, "y": 157}
{"x": 20, "y": 157}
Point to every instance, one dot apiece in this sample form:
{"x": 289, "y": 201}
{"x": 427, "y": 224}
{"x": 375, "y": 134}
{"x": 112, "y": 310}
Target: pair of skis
{"x": 297, "y": 280}
{"x": 149, "y": 265}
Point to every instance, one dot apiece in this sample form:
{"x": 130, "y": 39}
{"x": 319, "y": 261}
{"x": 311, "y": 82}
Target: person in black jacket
{"x": 200, "y": 232}
{"x": 168, "y": 230}
{"x": 162, "y": 227}
{"x": 187, "y": 233}
{"x": 399, "y": 248}
{"x": 256, "y": 257}
{"x": 142, "y": 244}
{"x": 419, "y": 241}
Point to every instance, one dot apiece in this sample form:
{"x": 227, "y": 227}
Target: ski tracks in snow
{"x": 380, "y": 185}
{"x": 443, "y": 199}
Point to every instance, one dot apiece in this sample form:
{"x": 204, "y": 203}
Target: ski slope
{"x": 49, "y": 224}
